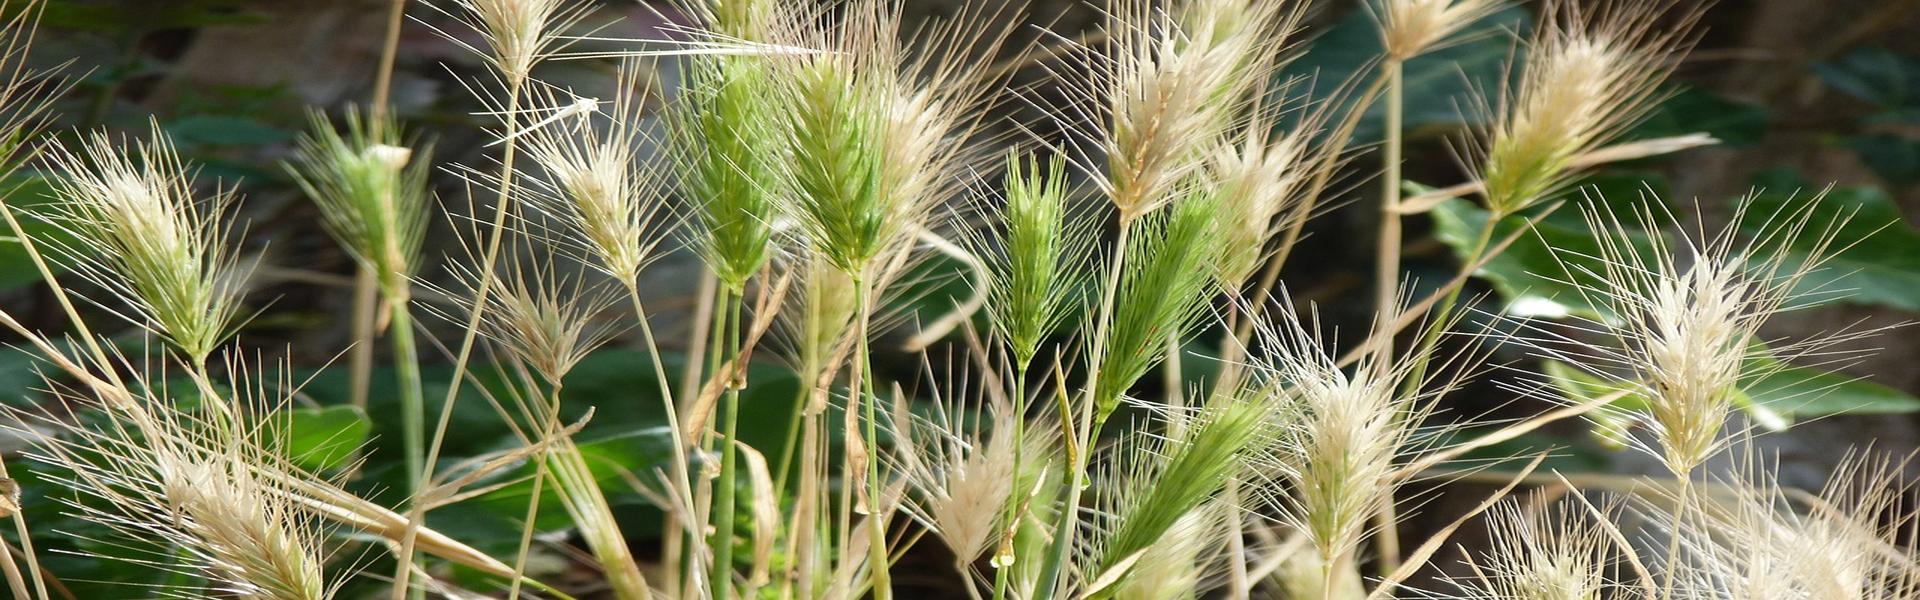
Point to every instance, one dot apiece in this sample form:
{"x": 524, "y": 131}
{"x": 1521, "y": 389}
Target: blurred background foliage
{"x": 1799, "y": 93}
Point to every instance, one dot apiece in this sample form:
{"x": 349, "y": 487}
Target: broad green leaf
{"x": 1536, "y": 275}
{"x": 1876, "y": 75}
{"x": 1809, "y": 392}
{"x": 1878, "y": 257}
{"x": 1694, "y": 110}
{"x": 1894, "y": 158}
{"x": 1439, "y": 85}
{"x": 224, "y": 130}
{"x": 324, "y": 438}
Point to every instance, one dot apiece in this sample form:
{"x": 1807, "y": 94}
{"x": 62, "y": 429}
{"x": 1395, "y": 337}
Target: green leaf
{"x": 325, "y": 438}
{"x": 1810, "y": 392}
{"x": 1443, "y": 81}
{"x": 1878, "y": 258}
{"x": 1536, "y": 275}
{"x": 1694, "y": 110}
{"x": 1894, "y": 158}
{"x": 1876, "y": 75}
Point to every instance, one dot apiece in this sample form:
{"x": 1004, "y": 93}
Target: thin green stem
{"x": 1088, "y": 430}
{"x": 389, "y": 49}
{"x": 1002, "y": 571}
{"x": 682, "y": 481}
{"x": 406, "y": 369}
{"x": 723, "y": 529}
{"x": 533, "y": 501}
{"x": 366, "y": 294}
{"x": 417, "y": 512}
{"x": 877, "y": 560}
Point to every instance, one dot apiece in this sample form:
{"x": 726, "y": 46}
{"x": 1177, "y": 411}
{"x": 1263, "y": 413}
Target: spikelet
{"x": 1257, "y": 180}
{"x": 371, "y": 187}
{"x": 596, "y": 183}
{"x": 1343, "y": 434}
{"x": 1543, "y": 552}
{"x": 143, "y": 236}
{"x": 1039, "y": 258}
{"x": 204, "y": 490}
{"x": 542, "y": 318}
{"x": 959, "y": 477}
{"x": 1591, "y": 73}
{"x": 1169, "y": 86}
{"x": 1162, "y": 295}
{"x": 1684, "y": 323}
{"x": 726, "y": 139}
{"x": 518, "y": 33}
{"x": 1409, "y": 28}
{"x": 1161, "y": 487}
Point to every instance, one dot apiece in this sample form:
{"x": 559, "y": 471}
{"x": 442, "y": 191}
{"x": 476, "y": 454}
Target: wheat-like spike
{"x": 1163, "y": 487}
{"x": 1684, "y": 323}
{"x": 1162, "y": 294}
{"x": 141, "y": 233}
{"x": 1040, "y": 255}
{"x": 597, "y": 184}
{"x": 1409, "y": 28}
{"x": 200, "y": 486}
{"x": 371, "y": 187}
{"x": 1591, "y": 73}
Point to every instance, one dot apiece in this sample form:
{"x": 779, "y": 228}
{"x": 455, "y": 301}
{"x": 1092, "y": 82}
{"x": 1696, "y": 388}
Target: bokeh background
{"x": 1802, "y": 94}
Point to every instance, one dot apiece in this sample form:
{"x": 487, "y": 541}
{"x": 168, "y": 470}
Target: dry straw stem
{"x": 1591, "y": 73}
{"x": 140, "y": 232}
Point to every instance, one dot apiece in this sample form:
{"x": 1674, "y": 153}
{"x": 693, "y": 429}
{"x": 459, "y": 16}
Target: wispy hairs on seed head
{"x": 518, "y": 33}
{"x": 1166, "y": 85}
{"x": 1038, "y": 258}
{"x": 1409, "y": 28}
{"x": 1163, "y": 294}
{"x": 727, "y": 136}
{"x": 1682, "y": 326}
{"x": 1591, "y": 73}
{"x": 143, "y": 235}
{"x": 201, "y": 487}
{"x": 1544, "y": 550}
{"x": 597, "y": 182}
{"x": 546, "y": 319}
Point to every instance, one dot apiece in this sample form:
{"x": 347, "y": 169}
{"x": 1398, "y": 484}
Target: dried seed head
{"x": 1683, "y": 326}
{"x": 607, "y": 195}
{"x": 1169, "y": 85}
{"x": 200, "y": 488}
{"x": 1590, "y": 75}
{"x": 142, "y": 235}
{"x": 959, "y": 477}
{"x": 1409, "y": 28}
{"x": 1543, "y": 552}
{"x": 1257, "y": 181}
{"x": 547, "y": 320}
{"x": 371, "y": 192}
{"x": 519, "y": 33}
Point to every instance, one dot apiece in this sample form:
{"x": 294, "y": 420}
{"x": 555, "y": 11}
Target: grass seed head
{"x": 596, "y": 183}
{"x": 1163, "y": 294}
{"x": 1591, "y": 73}
{"x": 1039, "y": 257}
{"x": 1412, "y": 27}
{"x": 371, "y": 189}
{"x": 144, "y": 236}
